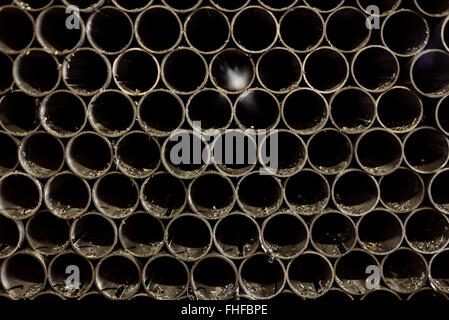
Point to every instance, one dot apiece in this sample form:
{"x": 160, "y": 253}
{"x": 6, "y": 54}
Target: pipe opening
{"x": 254, "y": 29}
{"x": 381, "y": 296}
{"x": 427, "y": 230}
{"x": 259, "y": 195}
{"x": 18, "y": 113}
{"x": 11, "y": 236}
{"x": 111, "y": 113}
{"x": 439, "y": 272}
{"x": 329, "y": 62}
{"x": 324, "y": 6}
{"x": 36, "y": 72}
{"x": 179, "y": 240}
{"x": 33, "y": 5}
{"x": 23, "y": 275}
{"x": 57, "y": 274}
{"x": 436, "y": 8}
{"x": 333, "y": 234}
{"x": 262, "y": 278}
{"x": 442, "y": 115}
{"x": 329, "y": 151}
{"x": 310, "y": 275}
{"x": 41, "y": 154}
{"x": 211, "y": 203}
{"x": 278, "y": 5}
{"x": 132, "y": 5}
{"x": 429, "y": 75}
{"x": 284, "y": 235}
{"x": 438, "y": 191}
{"x": 117, "y": 277}
{"x": 93, "y": 235}
{"x": 85, "y": 5}
{"x": 8, "y": 158}
{"x": 20, "y": 195}
{"x": 236, "y": 236}
{"x": 158, "y": 29}
{"x": 6, "y": 78}
{"x": 427, "y": 294}
{"x": 207, "y": 285}
{"x": 165, "y": 278}
{"x": 182, "y": 5}
{"x": 89, "y": 155}
{"x": 67, "y": 195}
{"x": 257, "y": 109}
{"x": 404, "y": 270}
{"x": 163, "y": 195}
{"x": 16, "y": 29}
{"x": 426, "y": 150}
{"x": 141, "y": 235}
{"x": 385, "y": 6}
{"x": 355, "y": 192}
{"x": 380, "y": 232}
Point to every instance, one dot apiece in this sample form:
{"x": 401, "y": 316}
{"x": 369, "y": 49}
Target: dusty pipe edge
{"x": 438, "y": 271}
{"x": 428, "y": 294}
{"x": 118, "y": 276}
{"x": 77, "y": 72}
{"x": 291, "y": 152}
{"x": 253, "y": 187}
{"x": 208, "y": 203}
{"x": 49, "y": 24}
{"x": 386, "y": 6}
{"x": 141, "y": 234}
{"x": 11, "y": 236}
{"x": 91, "y": 6}
{"x": 28, "y": 5}
{"x": 41, "y": 154}
{"x": 154, "y": 43}
{"x": 7, "y": 79}
{"x": 411, "y": 270}
{"x": 314, "y": 275}
{"x": 57, "y": 274}
{"x": 378, "y": 151}
{"x": 397, "y": 121}
{"x": 268, "y": 282}
{"x": 445, "y": 33}
{"x": 92, "y": 296}
{"x": 344, "y": 21}
{"x": 225, "y": 6}
{"x": 163, "y": 270}
{"x": 137, "y": 155}
{"x": 335, "y": 295}
{"x": 364, "y": 110}
{"x": 322, "y": 228}
{"x": 380, "y": 232}
{"x": 247, "y": 41}
{"x": 122, "y": 4}
{"x": 397, "y": 35}
{"x": 436, "y": 191}
{"x": 93, "y": 239}
{"x": 63, "y": 114}
{"x": 369, "y": 194}
{"x": 9, "y": 160}
{"x": 420, "y": 152}
{"x": 329, "y": 61}
{"x": 337, "y": 144}
{"x": 315, "y": 115}
{"x": 23, "y": 274}
{"x": 285, "y": 238}
{"x": 381, "y": 294}
{"x": 163, "y": 196}
{"x": 440, "y": 114}
{"x": 440, "y": 9}
{"x": 315, "y": 4}
{"x": 28, "y": 69}
{"x": 47, "y": 234}
{"x": 203, "y": 278}
{"x": 236, "y": 241}
{"x": 271, "y": 5}
{"x": 177, "y": 5}
{"x": 111, "y": 113}
{"x": 417, "y": 231}
{"x": 15, "y": 107}
{"x": 81, "y": 166}
{"x": 26, "y": 26}
{"x": 20, "y": 195}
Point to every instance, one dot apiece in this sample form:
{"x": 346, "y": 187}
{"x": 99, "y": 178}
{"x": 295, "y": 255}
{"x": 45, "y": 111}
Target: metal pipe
{"x": 86, "y": 72}
{"x": 437, "y": 191}
{"x": 434, "y": 9}
{"x": 92, "y": 296}
{"x": 136, "y": 72}
{"x": 275, "y": 5}
{"x": 9, "y": 157}
{"x": 230, "y": 6}
{"x": 445, "y": 33}
{"x": 47, "y": 234}
{"x": 30, "y": 5}
{"x": 333, "y": 234}
{"x": 165, "y": 278}
{"x": 284, "y": 235}
{"x": 118, "y": 276}
{"x": 20, "y": 195}
{"x": 259, "y": 195}
{"x": 57, "y": 274}
{"x": 428, "y": 295}
{"x": 355, "y": 193}
{"x": 427, "y": 231}
{"x": 48, "y": 297}
{"x": 16, "y": 31}
{"x": 205, "y": 283}
{"x": 236, "y": 236}
{"x": 6, "y": 78}
{"x": 254, "y": 29}
{"x": 141, "y": 235}
{"x": 89, "y": 155}
{"x": 163, "y": 195}
{"x": 438, "y": 271}
{"x": 329, "y": 151}
{"x": 442, "y": 114}
{"x": 426, "y": 150}
{"x": 85, "y": 5}
{"x": 310, "y": 275}
{"x": 335, "y": 295}
{"x": 11, "y": 236}
{"x": 182, "y": 5}
{"x": 385, "y": 6}
{"x": 380, "y": 232}
{"x": 324, "y": 6}
{"x": 18, "y": 115}
{"x": 262, "y": 277}
{"x": 132, "y": 6}
{"x": 404, "y": 270}
{"x": 36, "y": 72}
{"x": 93, "y": 235}
{"x": 381, "y": 295}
